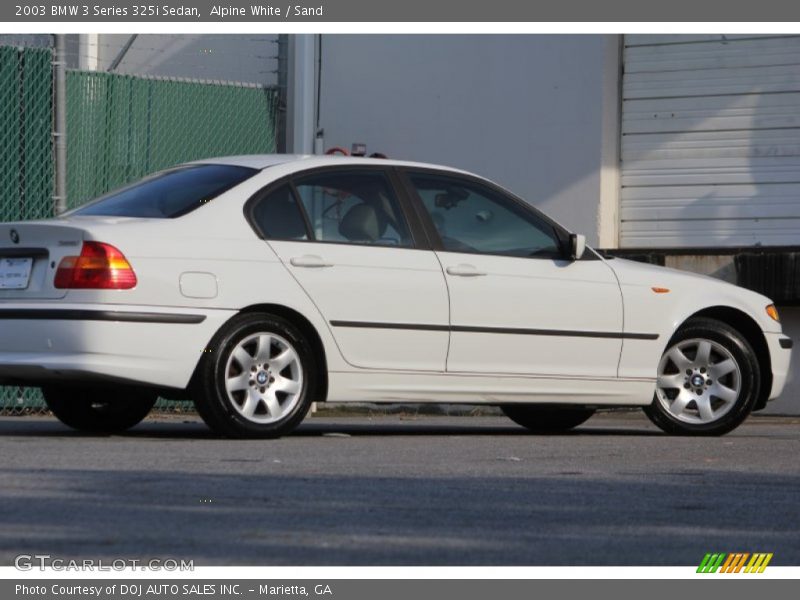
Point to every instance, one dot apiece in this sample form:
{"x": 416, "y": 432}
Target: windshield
{"x": 168, "y": 194}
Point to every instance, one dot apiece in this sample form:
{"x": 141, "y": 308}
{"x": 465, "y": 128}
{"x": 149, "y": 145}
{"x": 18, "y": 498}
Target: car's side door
{"x": 518, "y": 305}
{"x": 346, "y": 237}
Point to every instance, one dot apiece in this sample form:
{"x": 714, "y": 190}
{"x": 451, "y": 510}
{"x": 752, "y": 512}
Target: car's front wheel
{"x": 708, "y": 380}
{"x": 99, "y": 409}
{"x": 547, "y": 419}
{"x": 258, "y": 378}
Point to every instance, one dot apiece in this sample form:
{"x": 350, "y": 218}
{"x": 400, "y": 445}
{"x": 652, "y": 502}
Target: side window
{"x": 278, "y": 216}
{"x": 472, "y": 218}
{"x": 354, "y": 207}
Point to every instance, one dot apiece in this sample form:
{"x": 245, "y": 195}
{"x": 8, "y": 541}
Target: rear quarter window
{"x": 278, "y": 216}
{"x": 168, "y": 194}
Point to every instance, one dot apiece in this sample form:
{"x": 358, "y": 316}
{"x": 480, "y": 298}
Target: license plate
{"x": 15, "y": 273}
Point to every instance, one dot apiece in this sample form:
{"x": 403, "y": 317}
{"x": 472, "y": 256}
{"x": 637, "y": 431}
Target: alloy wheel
{"x": 263, "y": 378}
{"x": 699, "y": 381}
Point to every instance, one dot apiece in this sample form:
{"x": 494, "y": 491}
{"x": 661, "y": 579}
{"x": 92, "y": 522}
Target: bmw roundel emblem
{"x": 14, "y": 236}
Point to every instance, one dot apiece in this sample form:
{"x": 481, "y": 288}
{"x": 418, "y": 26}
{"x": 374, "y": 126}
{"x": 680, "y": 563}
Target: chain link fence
{"x": 119, "y": 128}
{"x": 122, "y": 127}
{"x": 26, "y": 157}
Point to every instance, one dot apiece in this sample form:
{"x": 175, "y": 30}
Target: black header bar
{"x": 320, "y": 11}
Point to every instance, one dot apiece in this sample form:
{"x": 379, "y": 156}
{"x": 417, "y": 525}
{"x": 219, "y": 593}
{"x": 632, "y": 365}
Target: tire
{"x": 245, "y": 388}
{"x": 708, "y": 380}
{"x": 547, "y": 419}
{"x": 99, "y": 409}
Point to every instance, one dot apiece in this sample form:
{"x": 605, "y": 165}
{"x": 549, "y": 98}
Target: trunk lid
{"x": 29, "y": 256}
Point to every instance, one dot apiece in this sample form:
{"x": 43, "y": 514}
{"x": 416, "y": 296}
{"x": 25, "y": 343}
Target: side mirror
{"x": 577, "y": 245}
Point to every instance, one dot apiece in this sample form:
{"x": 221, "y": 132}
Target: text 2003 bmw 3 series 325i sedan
{"x": 256, "y": 285}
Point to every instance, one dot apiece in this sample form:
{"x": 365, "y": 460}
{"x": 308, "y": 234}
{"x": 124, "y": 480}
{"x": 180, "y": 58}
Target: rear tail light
{"x": 99, "y": 267}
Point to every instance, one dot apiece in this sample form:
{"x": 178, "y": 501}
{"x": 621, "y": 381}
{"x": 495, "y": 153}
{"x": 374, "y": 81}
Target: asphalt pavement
{"x": 401, "y": 490}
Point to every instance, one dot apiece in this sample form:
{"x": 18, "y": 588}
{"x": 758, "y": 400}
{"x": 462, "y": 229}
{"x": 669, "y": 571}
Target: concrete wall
{"x": 526, "y": 111}
{"x": 35, "y": 40}
{"x": 250, "y": 58}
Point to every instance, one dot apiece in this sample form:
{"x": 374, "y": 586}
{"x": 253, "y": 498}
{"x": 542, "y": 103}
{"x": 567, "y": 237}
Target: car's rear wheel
{"x": 258, "y": 378}
{"x": 708, "y": 380}
{"x": 99, "y": 409}
{"x": 547, "y": 419}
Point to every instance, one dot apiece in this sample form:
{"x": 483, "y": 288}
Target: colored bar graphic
{"x": 741, "y": 562}
{"x": 765, "y": 563}
{"x": 703, "y": 563}
{"x": 734, "y": 562}
{"x": 711, "y": 562}
{"x": 758, "y": 563}
{"x": 727, "y": 566}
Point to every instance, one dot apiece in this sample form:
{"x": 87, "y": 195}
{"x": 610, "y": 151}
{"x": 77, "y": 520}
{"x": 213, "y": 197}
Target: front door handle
{"x": 309, "y": 261}
{"x": 464, "y": 271}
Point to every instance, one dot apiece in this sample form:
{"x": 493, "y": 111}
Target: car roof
{"x": 264, "y": 161}
{"x": 254, "y": 161}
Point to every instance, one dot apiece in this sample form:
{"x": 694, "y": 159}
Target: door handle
{"x": 464, "y": 271}
{"x": 309, "y": 261}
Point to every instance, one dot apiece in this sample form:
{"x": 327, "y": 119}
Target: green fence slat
{"x": 26, "y": 159}
{"x": 37, "y": 119}
{"x": 10, "y": 126}
{"x": 122, "y": 127}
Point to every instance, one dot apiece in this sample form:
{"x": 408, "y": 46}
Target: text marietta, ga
{"x": 266, "y": 10}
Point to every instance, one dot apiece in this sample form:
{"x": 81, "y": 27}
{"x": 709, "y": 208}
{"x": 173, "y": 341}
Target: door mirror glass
{"x": 577, "y": 245}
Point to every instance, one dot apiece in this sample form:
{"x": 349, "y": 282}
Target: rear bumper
{"x": 780, "y": 352}
{"x": 157, "y": 346}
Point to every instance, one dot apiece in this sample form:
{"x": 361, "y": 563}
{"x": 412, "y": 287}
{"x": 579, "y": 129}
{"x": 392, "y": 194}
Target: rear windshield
{"x": 168, "y": 194}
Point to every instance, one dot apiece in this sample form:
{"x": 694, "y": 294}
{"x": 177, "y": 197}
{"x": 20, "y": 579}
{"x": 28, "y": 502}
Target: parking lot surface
{"x": 401, "y": 490}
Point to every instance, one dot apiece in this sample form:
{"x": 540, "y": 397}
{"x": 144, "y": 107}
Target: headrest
{"x": 363, "y": 223}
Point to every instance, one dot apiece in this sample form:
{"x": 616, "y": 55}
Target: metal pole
{"x": 283, "y": 86}
{"x": 301, "y": 115}
{"x": 60, "y": 125}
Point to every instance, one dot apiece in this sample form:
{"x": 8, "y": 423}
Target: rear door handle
{"x": 309, "y": 261}
{"x": 464, "y": 271}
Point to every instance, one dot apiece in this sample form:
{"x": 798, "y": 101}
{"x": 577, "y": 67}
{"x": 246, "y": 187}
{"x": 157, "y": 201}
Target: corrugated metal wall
{"x": 710, "y": 141}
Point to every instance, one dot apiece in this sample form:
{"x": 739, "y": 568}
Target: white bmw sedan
{"x": 257, "y": 285}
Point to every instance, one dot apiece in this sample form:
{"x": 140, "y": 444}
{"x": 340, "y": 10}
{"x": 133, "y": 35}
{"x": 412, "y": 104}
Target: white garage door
{"x": 710, "y": 141}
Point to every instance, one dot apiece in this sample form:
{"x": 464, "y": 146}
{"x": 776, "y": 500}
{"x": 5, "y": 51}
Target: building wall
{"x": 710, "y": 143}
{"x": 36, "y": 40}
{"x": 251, "y": 58}
{"x": 525, "y": 111}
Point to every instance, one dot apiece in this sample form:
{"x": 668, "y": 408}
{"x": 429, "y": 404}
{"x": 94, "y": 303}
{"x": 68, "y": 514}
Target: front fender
{"x": 661, "y": 311}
